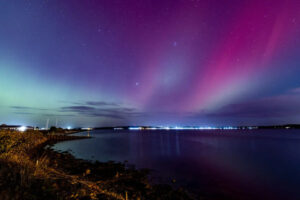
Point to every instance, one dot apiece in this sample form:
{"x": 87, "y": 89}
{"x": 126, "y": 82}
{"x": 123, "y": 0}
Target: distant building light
{"x": 135, "y": 128}
{"x": 151, "y": 128}
{"x": 182, "y": 128}
{"x": 22, "y": 128}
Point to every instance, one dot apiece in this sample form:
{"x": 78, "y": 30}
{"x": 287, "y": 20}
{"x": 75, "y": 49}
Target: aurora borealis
{"x": 133, "y": 62}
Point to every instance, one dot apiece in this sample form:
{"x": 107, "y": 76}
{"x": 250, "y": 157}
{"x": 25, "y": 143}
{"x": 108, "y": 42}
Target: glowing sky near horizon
{"x": 132, "y": 62}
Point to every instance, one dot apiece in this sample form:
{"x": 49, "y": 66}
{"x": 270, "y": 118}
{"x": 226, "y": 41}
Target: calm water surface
{"x": 256, "y": 164}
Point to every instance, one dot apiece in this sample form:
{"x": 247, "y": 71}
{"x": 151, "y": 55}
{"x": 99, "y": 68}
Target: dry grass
{"x": 22, "y": 177}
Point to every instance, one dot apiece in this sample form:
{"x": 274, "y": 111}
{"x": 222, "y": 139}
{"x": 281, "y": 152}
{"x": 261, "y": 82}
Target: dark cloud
{"x": 23, "y": 113}
{"x": 19, "y": 107}
{"x": 107, "y": 115}
{"x": 101, "y": 109}
{"x": 59, "y": 115}
{"x": 26, "y": 108}
{"x": 77, "y": 108}
{"x": 93, "y": 103}
{"x": 101, "y": 103}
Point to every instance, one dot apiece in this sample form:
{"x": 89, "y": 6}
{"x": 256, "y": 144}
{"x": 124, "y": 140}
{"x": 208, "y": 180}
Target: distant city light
{"x": 151, "y": 128}
{"x": 135, "y": 128}
{"x": 22, "y": 128}
{"x": 183, "y": 128}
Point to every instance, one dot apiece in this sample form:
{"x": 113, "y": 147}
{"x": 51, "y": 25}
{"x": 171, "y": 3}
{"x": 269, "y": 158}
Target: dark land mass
{"x": 287, "y": 126}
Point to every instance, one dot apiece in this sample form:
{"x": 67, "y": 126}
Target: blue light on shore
{"x": 135, "y": 128}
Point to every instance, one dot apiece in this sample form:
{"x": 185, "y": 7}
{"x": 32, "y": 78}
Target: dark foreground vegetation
{"x": 28, "y": 170}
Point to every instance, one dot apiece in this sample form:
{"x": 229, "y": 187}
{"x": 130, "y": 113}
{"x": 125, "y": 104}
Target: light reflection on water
{"x": 262, "y": 163}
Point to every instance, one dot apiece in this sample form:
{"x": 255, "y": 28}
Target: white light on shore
{"x": 22, "y": 128}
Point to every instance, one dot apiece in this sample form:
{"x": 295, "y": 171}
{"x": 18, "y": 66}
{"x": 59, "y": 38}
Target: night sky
{"x": 149, "y": 62}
